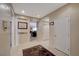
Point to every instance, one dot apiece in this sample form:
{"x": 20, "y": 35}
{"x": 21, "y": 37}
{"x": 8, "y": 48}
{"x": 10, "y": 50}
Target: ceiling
{"x": 5, "y": 12}
{"x": 36, "y": 9}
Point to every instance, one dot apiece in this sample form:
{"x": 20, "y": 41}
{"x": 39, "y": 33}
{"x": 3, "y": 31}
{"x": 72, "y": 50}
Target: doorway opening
{"x": 33, "y": 30}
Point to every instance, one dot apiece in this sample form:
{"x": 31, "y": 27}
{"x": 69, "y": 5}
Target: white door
{"x": 62, "y": 41}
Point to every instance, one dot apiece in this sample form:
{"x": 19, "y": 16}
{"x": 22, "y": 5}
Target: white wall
{"x": 22, "y": 35}
{"x": 61, "y": 14}
{"x": 74, "y": 29}
{"x": 4, "y": 34}
{"x": 70, "y": 11}
{"x": 44, "y": 29}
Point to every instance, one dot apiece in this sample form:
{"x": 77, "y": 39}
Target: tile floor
{"x": 17, "y": 51}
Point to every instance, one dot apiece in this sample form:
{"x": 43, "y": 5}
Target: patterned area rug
{"x": 37, "y": 51}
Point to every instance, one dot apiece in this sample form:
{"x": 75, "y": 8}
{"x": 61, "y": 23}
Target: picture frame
{"x": 22, "y": 25}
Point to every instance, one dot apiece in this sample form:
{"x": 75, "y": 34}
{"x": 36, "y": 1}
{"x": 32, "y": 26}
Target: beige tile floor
{"x": 17, "y": 51}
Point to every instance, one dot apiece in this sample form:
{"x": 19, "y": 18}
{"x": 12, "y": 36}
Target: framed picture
{"x": 22, "y": 25}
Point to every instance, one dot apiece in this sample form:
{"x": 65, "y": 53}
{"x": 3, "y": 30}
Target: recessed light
{"x": 22, "y": 11}
{"x": 4, "y": 6}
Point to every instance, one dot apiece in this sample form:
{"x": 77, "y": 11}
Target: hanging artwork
{"x": 22, "y": 25}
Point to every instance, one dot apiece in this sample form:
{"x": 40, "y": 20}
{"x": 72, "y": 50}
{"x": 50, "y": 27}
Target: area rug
{"x": 37, "y": 51}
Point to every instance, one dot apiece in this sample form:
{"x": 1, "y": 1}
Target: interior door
{"x": 62, "y": 41}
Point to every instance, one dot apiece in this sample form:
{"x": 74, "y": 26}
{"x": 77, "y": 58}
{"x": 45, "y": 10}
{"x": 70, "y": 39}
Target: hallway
{"x": 53, "y": 26}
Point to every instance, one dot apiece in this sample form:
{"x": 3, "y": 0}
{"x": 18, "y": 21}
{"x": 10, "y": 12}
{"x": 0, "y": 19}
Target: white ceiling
{"x": 36, "y": 9}
{"x": 5, "y": 12}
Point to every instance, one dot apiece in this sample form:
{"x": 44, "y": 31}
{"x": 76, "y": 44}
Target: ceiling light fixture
{"x": 23, "y": 11}
{"x": 4, "y": 6}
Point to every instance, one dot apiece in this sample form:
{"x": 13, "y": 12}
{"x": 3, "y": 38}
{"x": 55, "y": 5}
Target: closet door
{"x": 62, "y": 40}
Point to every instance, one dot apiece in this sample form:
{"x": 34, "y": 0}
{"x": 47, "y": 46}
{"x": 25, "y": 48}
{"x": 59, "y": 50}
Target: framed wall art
{"x": 22, "y": 25}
